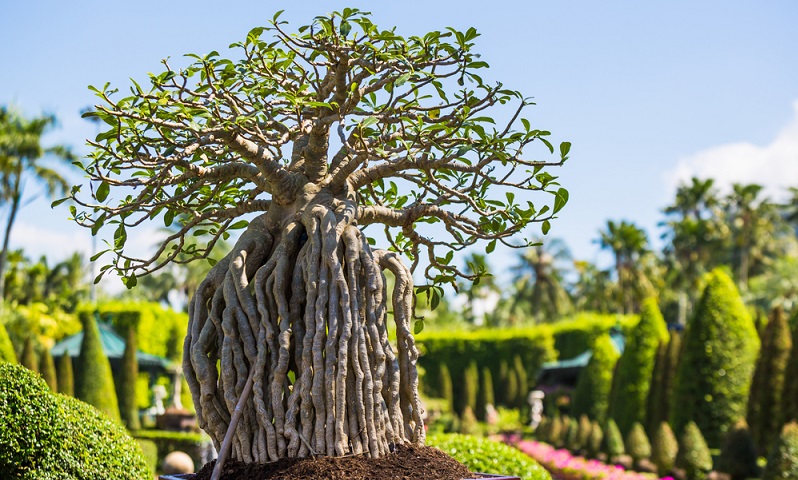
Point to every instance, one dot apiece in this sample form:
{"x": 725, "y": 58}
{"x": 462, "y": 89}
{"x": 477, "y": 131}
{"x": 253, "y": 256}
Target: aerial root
{"x": 302, "y": 311}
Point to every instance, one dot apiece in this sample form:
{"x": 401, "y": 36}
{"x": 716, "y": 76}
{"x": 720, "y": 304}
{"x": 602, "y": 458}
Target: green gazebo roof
{"x": 113, "y": 347}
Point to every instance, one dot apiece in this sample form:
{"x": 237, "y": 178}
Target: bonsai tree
{"x": 304, "y": 142}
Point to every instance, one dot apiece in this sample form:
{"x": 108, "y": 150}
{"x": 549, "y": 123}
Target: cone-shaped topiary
{"x": 664, "y": 449}
{"x": 470, "y": 388}
{"x": 446, "y": 385}
{"x": 719, "y": 353}
{"x": 738, "y": 455}
{"x": 47, "y": 369}
{"x": 789, "y": 406}
{"x": 7, "y": 353}
{"x": 128, "y": 375}
{"x": 659, "y": 395}
{"x": 44, "y": 435}
{"x": 583, "y": 433}
{"x": 764, "y": 404}
{"x": 556, "y": 431}
{"x": 595, "y": 380}
{"x": 636, "y": 444}
{"x": 66, "y": 379}
{"x": 511, "y": 389}
{"x": 485, "y": 396}
{"x": 543, "y": 430}
{"x": 523, "y": 382}
{"x": 503, "y": 377}
{"x": 572, "y": 439}
{"x": 595, "y": 440}
{"x": 28, "y": 359}
{"x": 94, "y": 383}
{"x": 613, "y": 441}
{"x": 635, "y": 368}
{"x": 694, "y": 456}
{"x": 783, "y": 460}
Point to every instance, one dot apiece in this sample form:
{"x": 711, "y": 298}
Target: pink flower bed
{"x": 563, "y": 465}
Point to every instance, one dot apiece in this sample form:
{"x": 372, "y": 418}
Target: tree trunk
{"x": 301, "y": 300}
{"x": 12, "y": 216}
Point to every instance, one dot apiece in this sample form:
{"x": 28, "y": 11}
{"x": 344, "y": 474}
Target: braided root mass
{"x": 300, "y": 305}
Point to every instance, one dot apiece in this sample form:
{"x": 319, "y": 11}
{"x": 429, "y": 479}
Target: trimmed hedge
{"x": 738, "y": 456}
{"x": 789, "y": 405}
{"x": 129, "y": 372}
{"x": 47, "y": 369}
{"x": 489, "y": 349}
{"x": 664, "y": 449}
{"x": 719, "y": 353}
{"x": 783, "y": 460}
{"x": 488, "y": 456}
{"x": 636, "y": 444}
{"x": 65, "y": 377}
{"x": 577, "y": 333}
{"x": 50, "y": 436}
{"x": 94, "y": 383}
{"x": 592, "y": 391}
{"x": 764, "y": 404}
{"x": 659, "y": 395}
{"x": 613, "y": 441}
{"x": 28, "y": 358}
{"x": 694, "y": 456}
{"x": 160, "y": 330}
{"x": 632, "y": 380}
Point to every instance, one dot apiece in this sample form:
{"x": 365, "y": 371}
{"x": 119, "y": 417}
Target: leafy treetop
{"x": 404, "y": 127}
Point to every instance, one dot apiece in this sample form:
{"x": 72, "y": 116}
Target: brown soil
{"x": 404, "y": 464}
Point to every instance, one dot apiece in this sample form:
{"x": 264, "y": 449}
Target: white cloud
{"x": 775, "y": 165}
{"x": 57, "y": 245}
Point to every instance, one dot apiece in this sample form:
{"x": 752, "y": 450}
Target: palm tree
{"x": 20, "y": 152}
{"x": 479, "y": 290}
{"x": 628, "y": 243}
{"x": 593, "y": 289}
{"x": 754, "y": 223}
{"x": 539, "y": 280}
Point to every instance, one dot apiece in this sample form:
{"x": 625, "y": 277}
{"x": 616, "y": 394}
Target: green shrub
{"x": 738, "y": 456}
{"x": 488, "y": 456}
{"x": 149, "y": 451}
{"x": 632, "y": 379}
{"x": 29, "y": 356}
{"x": 719, "y": 353}
{"x": 50, "y": 436}
{"x": 789, "y": 405}
{"x": 470, "y": 386}
{"x": 485, "y": 396}
{"x": 660, "y": 392}
{"x": 595, "y": 380}
{"x": 556, "y": 432}
{"x": 47, "y": 369}
{"x": 783, "y": 460}
{"x": 129, "y": 371}
{"x": 583, "y": 433}
{"x": 445, "y": 383}
{"x": 94, "y": 383}
{"x": 543, "y": 430}
{"x": 468, "y": 422}
{"x": 160, "y": 331}
{"x": 664, "y": 449}
{"x": 613, "y": 441}
{"x": 523, "y": 381}
{"x": 594, "y": 440}
{"x": 694, "y": 456}
{"x": 65, "y": 380}
{"x": 572, "y": 437}
{"x": 764, "y": 404}
{"x": 7, "y": 353}
{"x": 636, "y": 444}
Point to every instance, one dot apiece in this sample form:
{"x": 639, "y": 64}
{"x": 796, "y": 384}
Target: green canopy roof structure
{"x": 113, "y": 347}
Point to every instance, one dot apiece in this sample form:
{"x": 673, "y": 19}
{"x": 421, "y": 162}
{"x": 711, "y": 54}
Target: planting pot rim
{"x": 186, "y": 476}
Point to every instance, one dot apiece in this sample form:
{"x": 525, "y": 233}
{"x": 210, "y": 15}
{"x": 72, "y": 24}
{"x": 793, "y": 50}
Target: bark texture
{"x": 300, "y": 306}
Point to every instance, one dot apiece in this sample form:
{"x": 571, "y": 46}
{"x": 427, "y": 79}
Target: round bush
{"x": 783, "y": 460}
{"x": 488, "y": 456}
{"x": 49, "y": 436}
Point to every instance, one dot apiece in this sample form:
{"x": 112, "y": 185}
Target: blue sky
{"x": 647, "y": 92}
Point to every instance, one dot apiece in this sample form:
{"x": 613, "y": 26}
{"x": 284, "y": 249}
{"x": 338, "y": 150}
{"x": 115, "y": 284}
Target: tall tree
{"x": 720, "y": 348}
{"x": 540, "y": 280}
{"x": 302, "y": 290}
{"x": 764, "y": 404}
{"x": 628, "y": 243}
{"x": 593, "y": 290}
{"x": 592, "y": 393}
{"x": 21, "y": 152}
{"x": 635, "y": 368}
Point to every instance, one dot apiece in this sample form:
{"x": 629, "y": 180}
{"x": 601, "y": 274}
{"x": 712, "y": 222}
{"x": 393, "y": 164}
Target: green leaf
{"x": 491, "y": 247}
{"x": 212, "y": 261}
{"x": 239, "y": 224}
{"x": 120, "y": 237}
{"x": 546, "y": 226}
{"x": 168, "y": 217}
{"x": 560, "y": 199}
{"x": 58, "y": 202}
{"x": 565, "y": 147}
{"x": 418, "y": 327}
{"x": 102, "y": 192}
{"x": 345, "y": 28}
